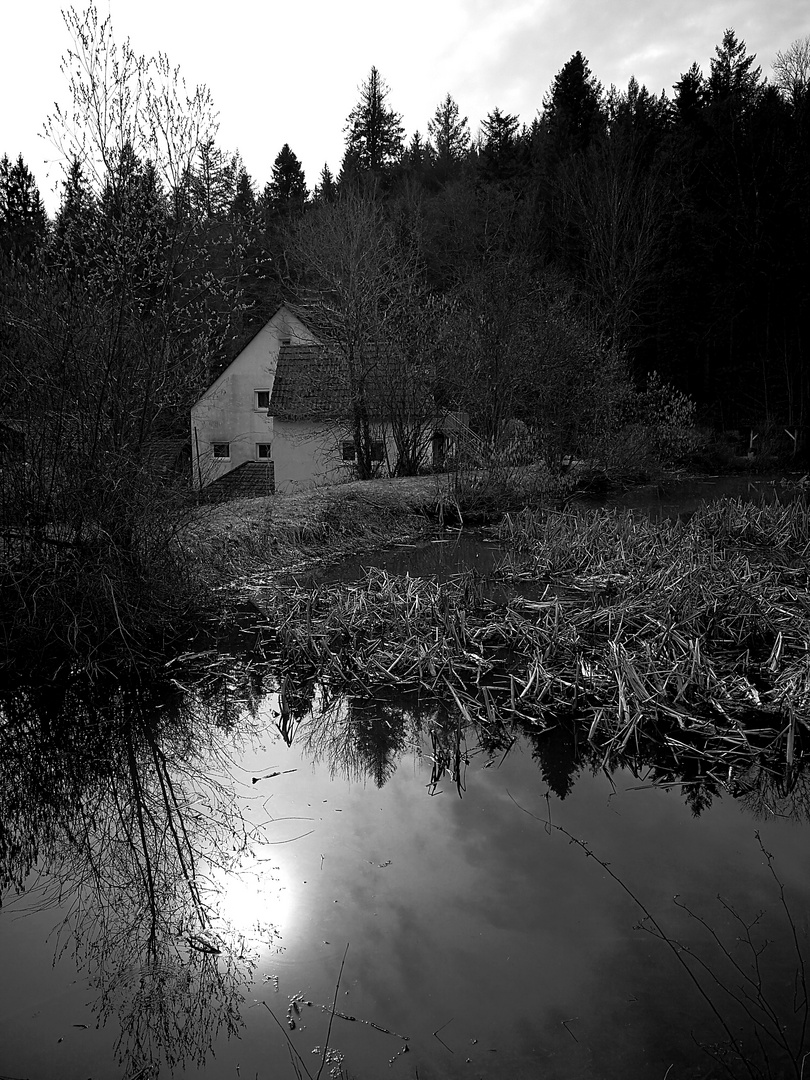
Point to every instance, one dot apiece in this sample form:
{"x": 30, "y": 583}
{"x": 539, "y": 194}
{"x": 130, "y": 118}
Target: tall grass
{"x": 691, "y": 633}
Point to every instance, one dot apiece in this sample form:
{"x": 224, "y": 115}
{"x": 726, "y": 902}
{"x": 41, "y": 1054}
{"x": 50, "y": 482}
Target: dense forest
{"x": 625, "y": 262}
{"x": 677, "y": 225}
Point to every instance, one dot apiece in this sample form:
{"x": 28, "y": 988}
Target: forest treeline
{"x": 679, "y": 224}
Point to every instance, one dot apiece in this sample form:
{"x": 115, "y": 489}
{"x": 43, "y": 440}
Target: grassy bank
{"x": 288, "y": 531}
{"x": 284, "y": 532}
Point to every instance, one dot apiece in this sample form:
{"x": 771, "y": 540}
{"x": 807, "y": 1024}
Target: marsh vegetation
{"x": 688, "y": 638}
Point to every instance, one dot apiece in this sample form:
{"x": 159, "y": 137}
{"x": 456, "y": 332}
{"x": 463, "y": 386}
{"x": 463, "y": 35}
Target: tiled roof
{"x": 310, "y": 383}
{"x": 250, "y": 480}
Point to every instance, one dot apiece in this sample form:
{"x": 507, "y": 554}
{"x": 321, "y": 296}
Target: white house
{"x": 277, "y": 417}
{"x": 230, "y": 425}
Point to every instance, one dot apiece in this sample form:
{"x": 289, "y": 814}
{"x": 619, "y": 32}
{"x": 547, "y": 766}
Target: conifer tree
{"x": 417, "y": 158}
{"x": 76, "y": 206}
{"x": 733, "y": 79}
{"x": 500, "y": 146}
{"x": 572, "y": 111}
{"x": 243, "y": 205}
{"x": 325, "y": 190}
{"x": 691, "y": 95}
{"x": 450, "y": 135}
{"x": 287, "y": 190}
{"x": 75, "y": 221}
{"x": 374, "y": 131}
{"x": 639, "y": 120}
{"x": 213, "y": 182}
{"x": 23, "y": 222}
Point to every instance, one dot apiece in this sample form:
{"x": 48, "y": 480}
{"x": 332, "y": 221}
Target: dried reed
{"x": 691, "y": 633}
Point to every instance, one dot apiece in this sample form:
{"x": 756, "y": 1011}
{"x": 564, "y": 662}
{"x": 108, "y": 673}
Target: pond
{"x": 238, "y": 868}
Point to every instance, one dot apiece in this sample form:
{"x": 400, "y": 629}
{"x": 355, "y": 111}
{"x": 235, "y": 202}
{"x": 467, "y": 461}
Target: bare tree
{"x": 364, "y": 299}
{"x": 121, "y": 99}
{"x": 131, "y": 837}
{"x": 531, "y": 376}
{"x": 791, "y": 69}
{"x": 107, "y": 345}
{"x": 616, "y": 202}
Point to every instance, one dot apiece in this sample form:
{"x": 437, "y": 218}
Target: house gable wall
{"x": 227, "y": 412}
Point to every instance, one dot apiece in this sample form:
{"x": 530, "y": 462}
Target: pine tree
{"x": 325, "y": 190}
{"x": 287, "y": 190}
{"x": 500, "y": 147}
{"x": 23, "y": 222}
{"x": 418, "y": 158}
{"x": 243, "y": 205}
{"x": 639, "y": 119}
{"x": 75, "y": 221}
{"x": 351, "y": 175}
{"x": 733, "y": 79}
{"x": 691, "y": 96}
{"x": 450, "y": 135}
{"x": 212, "y": 183}
{"x": 374, "y": 131}
{"x": 572, "y": 111}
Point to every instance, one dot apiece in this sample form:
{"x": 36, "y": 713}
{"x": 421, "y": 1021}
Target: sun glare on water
{"x": 251, "y": 900}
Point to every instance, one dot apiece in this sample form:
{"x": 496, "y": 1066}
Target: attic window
{"x": 262, "y": 400}
{"x": 221, "y": 450}
{"x": 263, "y": 451}
{"x": 347, "y": 450}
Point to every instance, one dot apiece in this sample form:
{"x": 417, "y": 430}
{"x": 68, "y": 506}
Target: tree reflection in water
{"x": 110, "y": 812}
{"x": 116, "y": 805}
{"x": 362, "y": 737}
{"x": 747, "y": 981}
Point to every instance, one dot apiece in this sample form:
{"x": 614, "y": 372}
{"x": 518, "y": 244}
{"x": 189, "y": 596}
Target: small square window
{"x": 263, "y": 451}
{"x": 347, "y": 449}
{"x": 262, "y": 400}
{"x": 221, "y": 449}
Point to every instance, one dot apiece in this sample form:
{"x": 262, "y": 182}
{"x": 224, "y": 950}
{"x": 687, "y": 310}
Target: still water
{"x": 449, "y": 913}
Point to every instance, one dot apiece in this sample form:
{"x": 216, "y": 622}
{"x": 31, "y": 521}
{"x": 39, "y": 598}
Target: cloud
{"x": 645, "y": 40}
{"x": 290, "y": 73}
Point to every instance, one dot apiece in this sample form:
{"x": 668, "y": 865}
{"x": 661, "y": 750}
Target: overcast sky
{"x": 289, "y": 72}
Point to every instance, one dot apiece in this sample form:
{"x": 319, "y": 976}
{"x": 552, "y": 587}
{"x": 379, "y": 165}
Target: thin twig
{"x": 290, "y": 1044}
{"x": 332, "y": 1016}
{"x": 441, "y": 1040}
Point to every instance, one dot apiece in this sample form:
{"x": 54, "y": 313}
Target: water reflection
{"x": 110, "y": 815}
{"x": 121, "y": 797}
{"x": 365, "y": 737}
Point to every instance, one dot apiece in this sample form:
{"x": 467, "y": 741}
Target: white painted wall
{"x": 227, "y": 412}
{"x": 306, "y": 455}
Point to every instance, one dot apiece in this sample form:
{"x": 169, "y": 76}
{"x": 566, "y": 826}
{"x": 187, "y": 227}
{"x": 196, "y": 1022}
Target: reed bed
{"x": 691, "y": 634}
